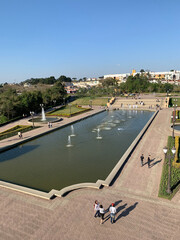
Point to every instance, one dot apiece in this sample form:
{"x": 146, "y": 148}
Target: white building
{"x": 122, "y": 77}
{"x": 172, "y": 77}
{"x": 87, "y": 83}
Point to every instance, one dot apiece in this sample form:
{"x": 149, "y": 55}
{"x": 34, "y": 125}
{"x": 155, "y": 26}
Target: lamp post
{"x": 32, "y": 115}
{"x": 41, "y": 105}
{"x": 173, "y": 150}
{"x": 175, "y": 102}
{"x": 174, "y": 117}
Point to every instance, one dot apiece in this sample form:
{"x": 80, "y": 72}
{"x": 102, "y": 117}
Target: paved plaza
{"x": 141, "y": 215}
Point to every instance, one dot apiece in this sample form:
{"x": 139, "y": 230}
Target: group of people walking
{"x": 148, "y": 160}
{"x": 99, "y": 211}
{"x": 49, "y": 125}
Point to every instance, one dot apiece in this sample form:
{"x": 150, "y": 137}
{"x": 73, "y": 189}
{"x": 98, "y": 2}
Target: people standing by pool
{"x": 142, "y": 158}
{"x": 112, "y": 211}
{"x": 96, "y": 209}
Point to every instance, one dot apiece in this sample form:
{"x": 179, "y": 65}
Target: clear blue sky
{"x": 87, "y": 38}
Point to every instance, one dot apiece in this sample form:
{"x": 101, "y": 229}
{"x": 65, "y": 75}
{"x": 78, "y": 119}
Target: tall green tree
{"x": 107, "y": 82}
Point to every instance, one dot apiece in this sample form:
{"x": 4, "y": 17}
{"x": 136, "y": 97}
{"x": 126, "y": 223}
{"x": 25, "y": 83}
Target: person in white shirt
{"x": 101, "y": 213}
{"x": 19, "y": 134}
{"x": 96, "y": 209}
{"x": 112, "y": 211}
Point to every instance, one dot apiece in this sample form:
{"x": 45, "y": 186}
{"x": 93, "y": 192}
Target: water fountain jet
{"x": 69, "y": 142}
{"x": 98, "y": 135}
{"x": 72, "y": 131}
{"x": 43, "y": 113}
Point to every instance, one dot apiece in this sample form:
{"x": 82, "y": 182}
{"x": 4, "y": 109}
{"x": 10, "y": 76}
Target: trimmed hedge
{"x": 176, "y": 164}
{"x": 14, "y": 131}
{"x": 175, "y": 174}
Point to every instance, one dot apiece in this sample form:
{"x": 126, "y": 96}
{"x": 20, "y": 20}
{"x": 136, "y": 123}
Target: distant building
{"x": 119, "y": 77}
{"x": 69, "y": 87}
{"x": 172, "y": 77}
{"x": 133, "y": 71}
{"x": 87, "y": 83}
{"x": 27, "y": 85}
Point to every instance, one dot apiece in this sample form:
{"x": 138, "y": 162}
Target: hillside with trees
{"x": 14, "y": 104}
{"x": 50, "y": 80}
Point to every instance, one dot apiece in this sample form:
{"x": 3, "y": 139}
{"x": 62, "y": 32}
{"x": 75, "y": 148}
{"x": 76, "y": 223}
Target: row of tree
{"x": 50, "y": 80}
{"x": 14, "y": 105}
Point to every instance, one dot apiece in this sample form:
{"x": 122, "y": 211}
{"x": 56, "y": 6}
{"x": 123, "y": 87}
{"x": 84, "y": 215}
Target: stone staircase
{"x": 143, "y": 103}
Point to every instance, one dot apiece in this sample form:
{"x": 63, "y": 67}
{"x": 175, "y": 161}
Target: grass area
{"x": 175, "y": 175}
{"x": 14, "y": 131}
{"x": 68, "y": 111}
{"x": 97, "y": 101}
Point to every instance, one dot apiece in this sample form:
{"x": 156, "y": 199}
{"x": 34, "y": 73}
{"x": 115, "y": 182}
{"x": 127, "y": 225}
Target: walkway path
{"x": 144, "y": 180}
{"x": 141, "y": 214}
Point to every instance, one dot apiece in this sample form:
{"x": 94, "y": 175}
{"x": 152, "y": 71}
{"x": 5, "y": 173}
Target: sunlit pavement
{"x": 140, "y": 213}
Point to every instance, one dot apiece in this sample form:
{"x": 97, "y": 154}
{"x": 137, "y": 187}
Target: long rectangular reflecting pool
{"x": 83, "y": 152}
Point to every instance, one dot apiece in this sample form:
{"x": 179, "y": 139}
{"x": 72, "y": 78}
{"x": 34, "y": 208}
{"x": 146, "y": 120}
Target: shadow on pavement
{"x": 151, "y": 160}
{"x": 154, "y": 163}
{"x": 126, "y": 211}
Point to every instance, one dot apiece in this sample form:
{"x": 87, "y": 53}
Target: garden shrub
{"x": 176, "y": 162}
{"x": 14, "y": 131}
{"x": 175, "y": 172}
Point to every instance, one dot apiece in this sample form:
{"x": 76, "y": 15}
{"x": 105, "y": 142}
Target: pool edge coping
{"x": 99, "y": 183}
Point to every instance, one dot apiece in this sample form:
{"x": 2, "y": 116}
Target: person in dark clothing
{"x": 142, "y": 159}
{"x": 149, "y": 161}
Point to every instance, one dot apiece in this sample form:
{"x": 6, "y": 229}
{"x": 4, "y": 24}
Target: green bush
{"x": 14, "y": 131}
{"x": 3, "y": 119}
{"x": 175, "y": 174}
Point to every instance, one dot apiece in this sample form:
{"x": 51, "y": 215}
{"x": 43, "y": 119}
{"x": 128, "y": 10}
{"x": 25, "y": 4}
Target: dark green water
{"x": 47, "y": 163}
